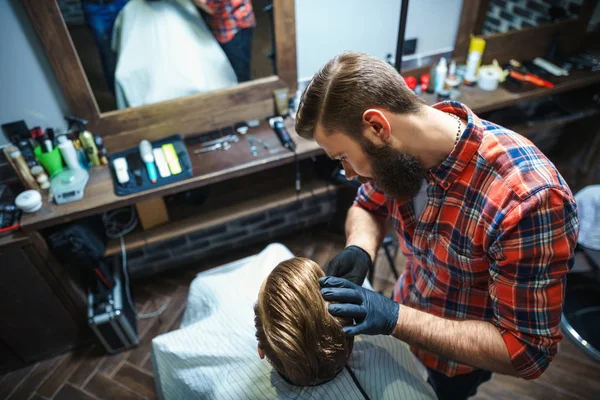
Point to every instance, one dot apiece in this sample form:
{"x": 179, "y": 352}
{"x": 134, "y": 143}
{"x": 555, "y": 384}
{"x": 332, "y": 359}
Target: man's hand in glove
{"x": 353, "y": 264}
{"x": 373, "y": 313}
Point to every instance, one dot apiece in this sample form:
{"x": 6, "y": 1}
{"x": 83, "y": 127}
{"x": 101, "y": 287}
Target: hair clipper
{"x": 284, "y": 137}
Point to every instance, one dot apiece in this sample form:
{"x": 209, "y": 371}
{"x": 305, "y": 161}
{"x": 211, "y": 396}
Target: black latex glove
{"x": 373, "y": 313}
{"x": 353, "y": 263}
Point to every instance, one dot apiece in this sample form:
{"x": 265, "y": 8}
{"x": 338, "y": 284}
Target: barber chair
{"x": 581, "y": 310}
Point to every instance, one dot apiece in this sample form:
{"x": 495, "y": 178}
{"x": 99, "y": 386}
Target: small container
{"x": 424, "y": 81}
{"x": 452, "y": 80}
{"x": 121, "y": 170}
{"x": 443, "y": 95}
{"x": 68, "y": 152}
{"x": 253, "y": 123}
{"x": 16, "y": 160}
{"x": 43, "y": 181}
{"x": 37, "y": 171}
{"x": 411, "y": 82}
{"x": 441, "y": 71}
{"x": 29, "y": 201}
{"x": 476, "y": 49}
{"x": 431, "y": 83}
{"x": 51, "y": 161}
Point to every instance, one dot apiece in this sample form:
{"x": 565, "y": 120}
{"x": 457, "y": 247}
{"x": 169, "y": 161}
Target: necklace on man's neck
{"x": 459, "y": 126}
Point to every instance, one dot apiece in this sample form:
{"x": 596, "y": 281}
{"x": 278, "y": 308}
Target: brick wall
{"x": 507, "y": 15}
{"x": 72, "y": 11}
{"x": 264, "y": 226}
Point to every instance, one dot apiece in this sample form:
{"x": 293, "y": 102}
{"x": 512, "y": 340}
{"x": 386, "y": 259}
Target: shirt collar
{"x": 468, "y": 144}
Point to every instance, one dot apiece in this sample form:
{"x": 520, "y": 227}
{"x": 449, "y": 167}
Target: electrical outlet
{"x": 410, "y": 47}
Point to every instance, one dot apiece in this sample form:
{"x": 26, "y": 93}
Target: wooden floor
{"x": 90, "y": 374}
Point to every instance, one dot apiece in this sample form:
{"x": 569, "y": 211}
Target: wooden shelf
{"x": 208, "y": 168}
{"x": 219, "y": 215}
{"x": 14, "y": 238}
{"x": 219, "y": 166}
{"x": 481, "y": 101}
{"x": 533, "y": 127}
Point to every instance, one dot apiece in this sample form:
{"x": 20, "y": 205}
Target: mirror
{"x": 139, "y": 52}
{"x": 507, "y": 15}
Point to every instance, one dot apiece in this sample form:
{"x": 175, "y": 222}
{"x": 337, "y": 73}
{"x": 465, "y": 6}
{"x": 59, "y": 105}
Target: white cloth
{"x": 166, "y": 51}
{"x": 214, "y": 354}
{"x": 588, "y": 210}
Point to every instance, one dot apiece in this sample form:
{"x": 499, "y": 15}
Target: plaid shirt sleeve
{"x": 531, "y": 257}
{"x": 370, "y": 198}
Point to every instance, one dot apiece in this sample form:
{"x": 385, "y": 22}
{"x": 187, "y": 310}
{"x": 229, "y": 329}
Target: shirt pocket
{"x": 458, "y": 269}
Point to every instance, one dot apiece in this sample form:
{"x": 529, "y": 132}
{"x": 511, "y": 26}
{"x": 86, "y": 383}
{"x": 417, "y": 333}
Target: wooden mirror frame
{"x": 522, "y": 44}
{"x": 202, "y": 112}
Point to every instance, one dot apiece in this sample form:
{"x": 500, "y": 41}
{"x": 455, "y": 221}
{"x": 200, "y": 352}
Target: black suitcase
{"x": 111, "y": 316}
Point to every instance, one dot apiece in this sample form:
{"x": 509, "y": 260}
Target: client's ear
{"x": 260, "y": 353}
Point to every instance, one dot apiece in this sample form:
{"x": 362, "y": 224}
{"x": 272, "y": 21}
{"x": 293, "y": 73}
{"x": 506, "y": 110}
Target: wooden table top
{"x": 207, "y": 168}
{"x": 482, "y": 101}
{"x": 216, "y": 166}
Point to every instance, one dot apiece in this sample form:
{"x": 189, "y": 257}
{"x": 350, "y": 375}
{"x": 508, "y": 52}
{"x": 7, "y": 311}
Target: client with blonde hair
{"x": 295, "y": 332}
{"x": 275, "y": 297}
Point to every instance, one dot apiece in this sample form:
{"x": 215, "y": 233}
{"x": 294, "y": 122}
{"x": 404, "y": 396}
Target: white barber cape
{"x": 166, "y": 51}
{"x": 214, "y": 354}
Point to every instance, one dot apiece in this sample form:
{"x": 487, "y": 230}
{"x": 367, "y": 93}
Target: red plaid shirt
{"x": 229, "y": 17}
{"x": 494, "y": 242}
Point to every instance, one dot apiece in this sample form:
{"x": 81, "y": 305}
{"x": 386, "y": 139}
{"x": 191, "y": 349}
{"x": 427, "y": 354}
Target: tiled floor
{"x": 90, "y": 374}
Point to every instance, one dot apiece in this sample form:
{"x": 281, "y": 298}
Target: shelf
{"x": 482, "y": 101}
{"x": 219, "y": 215}
{"x": 14, "y": 238}
{"x": 219, "y": 166}
{"x": 538, "y": 126}
{"x": 208, "y": 168}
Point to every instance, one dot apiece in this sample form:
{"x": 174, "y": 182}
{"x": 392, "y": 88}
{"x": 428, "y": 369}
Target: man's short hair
{"x": 298, "y": 336}
{"x": 345, "y": 87}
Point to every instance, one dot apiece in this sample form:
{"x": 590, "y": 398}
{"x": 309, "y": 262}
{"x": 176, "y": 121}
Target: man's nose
{"x": 349, "y": 172}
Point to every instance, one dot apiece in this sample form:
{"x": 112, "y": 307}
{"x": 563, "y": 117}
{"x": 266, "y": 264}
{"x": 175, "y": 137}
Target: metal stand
{"x": 388, "y": 245}
{"x": 401, "y": 34}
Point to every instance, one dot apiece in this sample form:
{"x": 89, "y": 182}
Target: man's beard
{"x": 397, "y": 174}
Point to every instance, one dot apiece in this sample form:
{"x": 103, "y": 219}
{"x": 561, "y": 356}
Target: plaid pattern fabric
{"x": 494, "y": 242}
{"x": 230, "y": 16}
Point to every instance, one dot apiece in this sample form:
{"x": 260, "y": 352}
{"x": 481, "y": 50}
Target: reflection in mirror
{"x": 137, "y": 52}
{"x": 507, "y": 15}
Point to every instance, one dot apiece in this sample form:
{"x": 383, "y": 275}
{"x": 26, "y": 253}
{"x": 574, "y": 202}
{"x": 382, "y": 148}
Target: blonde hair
{"x": 299, "y": 337}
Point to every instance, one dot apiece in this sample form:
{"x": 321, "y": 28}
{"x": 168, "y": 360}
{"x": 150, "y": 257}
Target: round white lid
{"x": 28, "y": 200}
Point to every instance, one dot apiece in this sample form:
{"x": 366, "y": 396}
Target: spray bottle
{"x": 476, "y": 49}
{"x": 440, "y": 75}
{"x": 76, "y": 128}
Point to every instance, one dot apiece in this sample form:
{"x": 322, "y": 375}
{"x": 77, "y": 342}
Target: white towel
{"x": 166, "y": 51}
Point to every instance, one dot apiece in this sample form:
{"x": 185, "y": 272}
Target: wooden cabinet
{"x": 35, "y": 321}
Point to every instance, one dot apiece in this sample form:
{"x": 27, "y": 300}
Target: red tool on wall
{"x": 530, "y": 78}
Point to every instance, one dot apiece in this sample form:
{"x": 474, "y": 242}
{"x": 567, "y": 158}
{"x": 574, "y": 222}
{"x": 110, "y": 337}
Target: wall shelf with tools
{"x": 216, "y": 166}
{"x": 229, "y": 215}
{"x": 270, "y": 190}
{"x": 208, "y": 168}
{"x": 483, "y": 101}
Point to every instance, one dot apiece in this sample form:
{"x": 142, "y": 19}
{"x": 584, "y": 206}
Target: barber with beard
{"x": 486, "y": 261}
